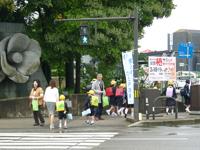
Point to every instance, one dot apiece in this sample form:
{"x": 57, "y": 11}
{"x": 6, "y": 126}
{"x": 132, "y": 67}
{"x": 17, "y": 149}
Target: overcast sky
{"x": 186, "y": 15}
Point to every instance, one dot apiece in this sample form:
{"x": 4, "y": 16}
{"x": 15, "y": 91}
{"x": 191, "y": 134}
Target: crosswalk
{"x": 75, "y": 140}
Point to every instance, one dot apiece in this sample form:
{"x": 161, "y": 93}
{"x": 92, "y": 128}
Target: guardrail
{"x": 160, "y": 107}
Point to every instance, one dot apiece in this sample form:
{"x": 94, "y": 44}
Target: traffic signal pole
{"x": 96, "y": 19}
{"x": 134, "y": 19}
{"x": 135, "y": 67}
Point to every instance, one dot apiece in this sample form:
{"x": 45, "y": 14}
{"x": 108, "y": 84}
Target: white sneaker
{"x": 167, "y": 111}
{"x": 60, "y": 124}
{"x": 113, "y": 114}
{"x": 87, "y": 122}
{"x": 51, "y": 127}
{"x": 126, "y": 111}
{"x": 92, "y": 122}
{"x": 108, "y": 112}
{"x": 119, "y": 112}
{"x": 187, "y": 110}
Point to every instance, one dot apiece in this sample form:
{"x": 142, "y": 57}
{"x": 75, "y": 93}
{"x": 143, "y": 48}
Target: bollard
{"x": 132, "y": 112}
{"x": 140, "y": 116}
{"x": 176, "y": 111}
{"x": 147, "y": 108}
{"x": 153, "y": 111}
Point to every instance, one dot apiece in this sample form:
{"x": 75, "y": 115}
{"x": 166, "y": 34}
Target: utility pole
{"x": 135, "y": 67}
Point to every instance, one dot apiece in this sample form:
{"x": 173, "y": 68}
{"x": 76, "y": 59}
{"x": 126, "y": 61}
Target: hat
{"x": 90, "y": 92}
{"x": 122, "y": 85}
{"x": 187, "y": 81}
{"x": 113, "y": 82}
{"x": 93, "y": 80}
{"x": 62, "y": 97}
{"x": 170, "y": 82}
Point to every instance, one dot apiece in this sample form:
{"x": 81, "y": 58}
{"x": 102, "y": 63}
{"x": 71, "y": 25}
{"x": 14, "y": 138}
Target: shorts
{"x": 62, "y": 115}
{"x": 113, "y": 101}
{"x": 119, "y": 101}
{"x": 51, "y": 107}
{"x": 93, "y": 110}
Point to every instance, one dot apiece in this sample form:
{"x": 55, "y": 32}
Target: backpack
{"x": 119, "y": 92}
{"x": 109, "y": 91}
{"x": 183, "y": 92}
{"x": 169, "y": 91}
{"x": 186, "y": 91}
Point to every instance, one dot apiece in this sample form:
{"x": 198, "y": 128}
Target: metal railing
{"x": 161, "y": 107}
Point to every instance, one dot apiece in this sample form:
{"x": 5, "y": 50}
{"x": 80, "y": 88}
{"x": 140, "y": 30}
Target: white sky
{"x": 186, "y": 15}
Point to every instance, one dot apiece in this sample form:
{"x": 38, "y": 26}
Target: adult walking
{"x": 98, "y": 87}
{"x": 187, "y": 95}
{"x": 37, "y": 103}
{"x": 50, "y": 97}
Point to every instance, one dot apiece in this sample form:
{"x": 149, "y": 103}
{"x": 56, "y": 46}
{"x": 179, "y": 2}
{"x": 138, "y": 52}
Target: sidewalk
{"x": 163, "y": 119}
{"x": 109, "y": 124}
{"x": 77, "y": 124}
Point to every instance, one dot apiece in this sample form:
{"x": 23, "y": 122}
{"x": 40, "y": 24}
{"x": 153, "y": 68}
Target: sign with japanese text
{"x": 162, "y": 68}
{"x": 185, "y": 50}
{"x": 127, "y": 58}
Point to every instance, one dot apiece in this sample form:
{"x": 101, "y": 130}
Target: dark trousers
{"x": 99, "y": 110}
{"x": 38, "y": 115}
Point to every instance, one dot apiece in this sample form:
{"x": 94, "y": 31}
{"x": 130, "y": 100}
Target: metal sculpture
{"x": 19, "y": 57}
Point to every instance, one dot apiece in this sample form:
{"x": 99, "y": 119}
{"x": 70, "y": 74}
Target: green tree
{"x": 60, "y": 42}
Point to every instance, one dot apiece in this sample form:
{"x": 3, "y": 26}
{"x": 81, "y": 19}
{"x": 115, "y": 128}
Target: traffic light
{"x": 84, "y": 35}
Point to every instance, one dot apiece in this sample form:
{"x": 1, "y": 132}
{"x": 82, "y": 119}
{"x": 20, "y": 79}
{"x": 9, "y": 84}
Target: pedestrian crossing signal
{"x": 84, "y": 39}
{"x": 84, "y": 35}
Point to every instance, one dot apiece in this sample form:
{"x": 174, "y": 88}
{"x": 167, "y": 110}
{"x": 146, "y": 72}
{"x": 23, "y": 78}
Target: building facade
{"x": 186, "y": 36}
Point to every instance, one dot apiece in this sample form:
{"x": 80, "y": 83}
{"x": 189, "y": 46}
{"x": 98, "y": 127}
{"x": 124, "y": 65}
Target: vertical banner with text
{"x": 162, "y": 68}
{"x": 127, "y": 59}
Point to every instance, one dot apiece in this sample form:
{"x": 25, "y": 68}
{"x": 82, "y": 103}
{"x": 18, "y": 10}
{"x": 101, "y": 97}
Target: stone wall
{"x": 19, "y": 107}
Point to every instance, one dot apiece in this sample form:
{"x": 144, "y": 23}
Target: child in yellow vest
{"x": 61, "y": 107}
{"x": 91, "y": 104}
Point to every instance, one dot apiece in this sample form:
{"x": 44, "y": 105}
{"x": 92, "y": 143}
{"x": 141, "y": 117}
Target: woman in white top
{"x": 50, "y": 97}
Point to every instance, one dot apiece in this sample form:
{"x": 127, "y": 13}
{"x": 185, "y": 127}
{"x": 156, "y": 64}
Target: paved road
{"x": 75, "y": 140}
{"x": 157, "y": 138}
{"x": 110, "y": 134}
{"x": 20, "y": 134}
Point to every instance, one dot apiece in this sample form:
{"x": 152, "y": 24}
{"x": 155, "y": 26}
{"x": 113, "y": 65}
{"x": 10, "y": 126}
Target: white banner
{"x": 127, "y": 59}
{"x": 162, "y": 68}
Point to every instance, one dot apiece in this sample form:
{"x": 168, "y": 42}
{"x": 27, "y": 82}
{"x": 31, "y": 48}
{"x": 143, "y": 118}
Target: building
{"x": 185, "y": 36}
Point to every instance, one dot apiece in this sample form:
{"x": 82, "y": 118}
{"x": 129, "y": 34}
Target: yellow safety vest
{"x": 60, "y": 106}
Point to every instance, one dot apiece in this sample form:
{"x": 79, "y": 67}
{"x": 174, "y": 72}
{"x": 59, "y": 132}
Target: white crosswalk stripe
{"x": 77, "y": 140}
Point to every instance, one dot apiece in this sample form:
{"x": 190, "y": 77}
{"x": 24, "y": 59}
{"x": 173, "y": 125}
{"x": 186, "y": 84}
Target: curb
{"x": 175, "y": 122}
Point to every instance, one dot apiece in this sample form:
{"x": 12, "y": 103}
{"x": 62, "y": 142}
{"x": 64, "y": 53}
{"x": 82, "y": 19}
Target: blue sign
{"x": 185, "y": 50}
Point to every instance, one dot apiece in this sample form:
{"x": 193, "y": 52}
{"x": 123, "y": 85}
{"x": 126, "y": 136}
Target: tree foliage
{"x": 61, "y": 39}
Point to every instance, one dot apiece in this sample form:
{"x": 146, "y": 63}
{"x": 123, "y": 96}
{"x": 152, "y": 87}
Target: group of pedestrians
{"x": 94, "y": 100}
{"x": 39, "y": 99}
{"x": 171, "y": 94}
{"x": 118, "y": 99}
{"x": 116, "y": 96}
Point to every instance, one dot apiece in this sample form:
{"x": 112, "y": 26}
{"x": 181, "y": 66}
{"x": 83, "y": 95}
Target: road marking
{"x": 150, "y": 139}
{"x": 78, "y": 140}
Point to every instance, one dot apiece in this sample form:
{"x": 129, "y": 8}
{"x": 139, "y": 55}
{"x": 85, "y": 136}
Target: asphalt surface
{"x": 155, "y": 138}
{"x": 113, "y": 133}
